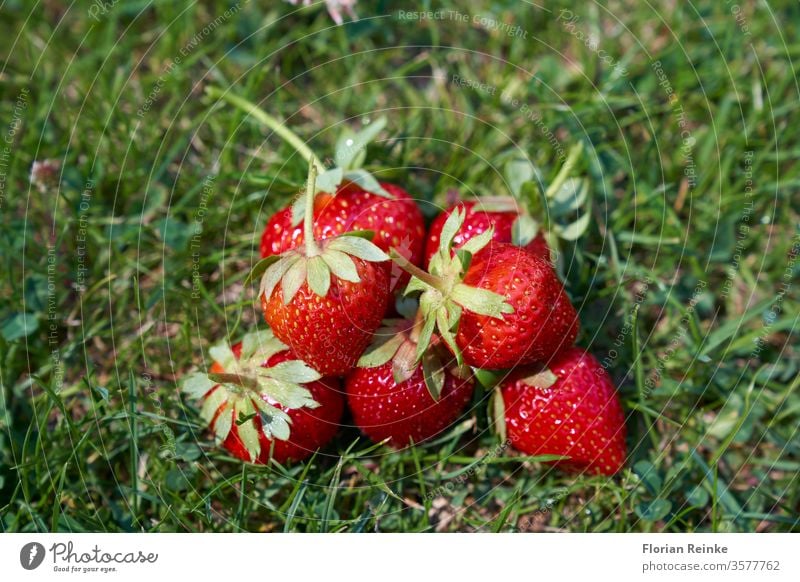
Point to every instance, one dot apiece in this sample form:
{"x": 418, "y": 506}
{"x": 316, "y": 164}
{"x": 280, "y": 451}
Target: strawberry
{"x": 495, "y": 305}
{"x": 392, "y": 397}
{"x": 571, "y": 410}
{"x": 326, "y": 298}
{"x": 263, "y": 403}
{"x": 501, "y": 214}
{"x": 542, "y": 322}
{"x": 396, "y": 221}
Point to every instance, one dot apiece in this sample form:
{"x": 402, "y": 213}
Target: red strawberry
{"x": 480, "y": 216}
{"x": 573, "y": 410}
{"x": 390, "y": 397}
{"x": 495, "y": 306}
{"x": 396, "y": 221}
{"x": 543, "y": 321}
{"x": 260, "y": 378}
{"x": 331, "y": 332}
{"x": 326, "y": 298}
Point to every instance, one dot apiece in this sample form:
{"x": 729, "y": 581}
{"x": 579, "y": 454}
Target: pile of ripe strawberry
{"x": 335, "y": 264}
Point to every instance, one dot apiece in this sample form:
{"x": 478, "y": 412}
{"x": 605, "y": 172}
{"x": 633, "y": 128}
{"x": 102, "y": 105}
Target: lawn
{"x": 133, "y": 198}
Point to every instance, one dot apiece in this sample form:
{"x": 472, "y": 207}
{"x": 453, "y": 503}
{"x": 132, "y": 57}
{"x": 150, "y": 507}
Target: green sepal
{"x": 524, "y": 230}
{"x": 223, "y": 355}
{"x": 367, "y": 234}
{"x": 329, "y": 181}
{"x": 445, "y": 323}
{"x": 196, "y": 385}
{"x": 381, "y": 351}
{"x": 260, "y": 346}
{"x": 368, "y": 182}
{"x": 358, "y": 247}
{"x": 498, "y": 414}
{"x": 350, "y": 144}
{"x": 464, "y": 259}
{"x": 488, "y": 378}
{"x": 433, "y": 374}
{"x": 442, "y": 297}
{"x": 318, "y": 276}
{"x": 481, "y": 301}
{"x": 249, "y": 436}
{"x": 260, "y": 268}
{"x": 275, "y": 272}
{"x": 477, "y": 243}
{"x": 341, "y": 265}
{"x": 286, "y": 393}
{"x": 534, "y": 204}
{"x": 212, "y": 403}
{"x": 404, "y": 362}
{"x": 543, "y": 379}
{"x": 276, "y": 422}
{"x": 425, "y": 335}
{"x": 224, "y": 423}
{"x": 450, "y": 229}
{"x": 415, "y": 285}
{"x": 293, "y": 279}
{"x": 294, "y": 371}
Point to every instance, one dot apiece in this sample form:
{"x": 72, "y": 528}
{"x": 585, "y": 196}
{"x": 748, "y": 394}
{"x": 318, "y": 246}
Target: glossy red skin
{"x": 542, "y": 324}
{"x": 311, "y": 428}
{"x": 396, "y": 223}
{"x": 330, "y": 334}
{"x": 579, "y": 416}
{"x": 477, "y": 222}
{"x": 406, "y": 412}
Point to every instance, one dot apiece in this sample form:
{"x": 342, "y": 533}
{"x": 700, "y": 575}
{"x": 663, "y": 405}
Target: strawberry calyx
{"x": 443, "y": 295}
{"x": 397, "y": 342}
{"x": 245, "y": 388}
{"x": 316, "y": 261}
{"x": 349, "y": 158}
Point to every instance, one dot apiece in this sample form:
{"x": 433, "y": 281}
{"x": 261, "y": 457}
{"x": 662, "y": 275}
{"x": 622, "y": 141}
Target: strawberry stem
{"x": 312, "y": 248}
{"x": 273, "y": 123}
{"x": 412, "y": 269}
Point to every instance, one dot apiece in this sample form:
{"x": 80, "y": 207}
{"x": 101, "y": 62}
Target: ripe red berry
{"x": 495, "y": 305}
{"x": 394, "y": 400}
{"x": 542, "y": 323}
{"x": 326, "y": 298}
{"x": 331, "y": 332}
{"x": 480, "y": 216}
{"x": 578, "y": 416}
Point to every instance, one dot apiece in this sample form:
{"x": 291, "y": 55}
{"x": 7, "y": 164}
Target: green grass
{"x": 695, "y": 317}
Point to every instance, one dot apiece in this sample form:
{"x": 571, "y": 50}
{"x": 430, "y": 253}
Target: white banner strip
{"x": 266, "y": 557}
